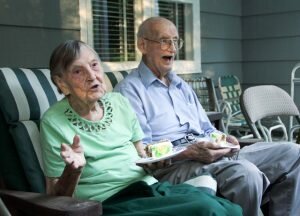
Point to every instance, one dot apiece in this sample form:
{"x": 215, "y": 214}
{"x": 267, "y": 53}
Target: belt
{"x": 187, "y": 139}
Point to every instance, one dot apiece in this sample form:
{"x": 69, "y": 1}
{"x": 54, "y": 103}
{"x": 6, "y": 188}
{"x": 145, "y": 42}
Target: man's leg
{"x": 239, "y": 181}
{"x": 280, "y": 162}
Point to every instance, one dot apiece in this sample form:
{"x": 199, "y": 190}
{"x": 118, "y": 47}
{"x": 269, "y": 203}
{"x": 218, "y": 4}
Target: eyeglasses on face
{"x": 167, "y": 43}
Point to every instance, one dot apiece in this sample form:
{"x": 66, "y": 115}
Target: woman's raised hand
{"x": 73, "y": 155}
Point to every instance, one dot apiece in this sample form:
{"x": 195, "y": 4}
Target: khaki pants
{"x": 262, "y": 166}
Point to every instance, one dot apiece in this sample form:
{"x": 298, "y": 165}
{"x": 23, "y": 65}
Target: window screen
{"x": 113, "y": 29}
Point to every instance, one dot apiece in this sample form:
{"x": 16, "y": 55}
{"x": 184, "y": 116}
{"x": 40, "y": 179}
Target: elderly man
{"x": 168, "y": 108}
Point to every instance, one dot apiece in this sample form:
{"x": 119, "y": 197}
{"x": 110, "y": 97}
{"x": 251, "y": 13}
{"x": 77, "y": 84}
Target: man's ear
{"x": 141, "y": 45}
{"x": 61, "y": 85}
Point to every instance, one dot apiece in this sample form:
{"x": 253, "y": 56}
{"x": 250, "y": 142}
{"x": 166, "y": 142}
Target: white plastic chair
{"x": 264, "y": 101}
{"x": 294, "y": 80}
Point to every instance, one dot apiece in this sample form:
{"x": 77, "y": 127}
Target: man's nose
{"x": 172, "y": 46}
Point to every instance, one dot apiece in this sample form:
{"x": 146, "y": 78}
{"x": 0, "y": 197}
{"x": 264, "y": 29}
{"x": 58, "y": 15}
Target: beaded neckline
{"x": 90, "y": 126}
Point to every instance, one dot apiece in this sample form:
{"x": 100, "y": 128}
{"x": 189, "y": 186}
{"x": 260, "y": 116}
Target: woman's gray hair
{"x": 63, "y": 56}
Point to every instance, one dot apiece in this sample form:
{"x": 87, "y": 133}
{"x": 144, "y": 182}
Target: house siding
{"x": 221, "y": 38}
{"x": 29, "y": 30}
{"x": 271, "y": 42}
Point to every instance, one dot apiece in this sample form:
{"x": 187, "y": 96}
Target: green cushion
{"x": 11, "y": 170}
{"x": 26, "y": 94}
{"x": 113, "y": 78}
{"x": 26, "y": 139}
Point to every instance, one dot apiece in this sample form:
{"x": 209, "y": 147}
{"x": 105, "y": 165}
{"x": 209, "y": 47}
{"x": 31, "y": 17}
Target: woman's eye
{"x": 95, "y": 64}
{"x": 77, "y": 72}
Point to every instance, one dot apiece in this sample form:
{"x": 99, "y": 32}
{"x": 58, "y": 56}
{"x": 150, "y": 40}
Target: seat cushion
{"x": 113, "y": 78}
{"x": 26, "y": 138}
{"x": 26, "y": 94}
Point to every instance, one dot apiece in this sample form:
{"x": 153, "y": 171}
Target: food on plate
{"x": 159, "y": 149}
{"x": 219, "y": 138}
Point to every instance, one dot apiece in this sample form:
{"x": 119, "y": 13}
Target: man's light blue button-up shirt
{"x": 164, "y": 112}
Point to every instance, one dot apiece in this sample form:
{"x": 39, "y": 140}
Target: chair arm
{"x": 225, "y": 107}
{"x": 33, "y": 204}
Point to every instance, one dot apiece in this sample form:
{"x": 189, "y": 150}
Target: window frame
{"x": 144, "y": 9}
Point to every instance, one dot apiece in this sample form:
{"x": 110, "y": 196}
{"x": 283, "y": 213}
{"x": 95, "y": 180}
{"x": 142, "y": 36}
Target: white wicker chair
{"x": 265, "y": 101}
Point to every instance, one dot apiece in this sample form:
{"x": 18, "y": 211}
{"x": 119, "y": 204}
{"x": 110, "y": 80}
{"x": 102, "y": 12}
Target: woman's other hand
{"x": 73, "y": 155}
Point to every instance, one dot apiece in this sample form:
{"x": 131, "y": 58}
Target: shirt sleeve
{"x": 137, "y": 132}
{"x": 132, "y": 95}
{"x": 204, "y": 121}
{"x": 50, "y": 138}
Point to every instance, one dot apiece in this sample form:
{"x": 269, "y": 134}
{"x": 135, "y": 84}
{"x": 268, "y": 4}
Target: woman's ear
{"x": 60, "y": 83}
{"x": 141, "y": 45}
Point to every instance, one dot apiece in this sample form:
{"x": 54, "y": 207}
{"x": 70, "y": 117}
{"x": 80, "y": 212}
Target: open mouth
{"x": 167, "y": 58}
{"x": 95, "y": 86}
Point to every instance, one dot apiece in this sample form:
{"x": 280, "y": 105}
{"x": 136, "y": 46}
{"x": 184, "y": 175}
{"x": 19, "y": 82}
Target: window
{"x": 113, "y": 30}
{"x": 110, "y": 26}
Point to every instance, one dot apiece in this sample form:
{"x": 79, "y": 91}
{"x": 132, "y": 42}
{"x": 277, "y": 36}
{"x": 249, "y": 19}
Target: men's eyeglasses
{"x": 167, "y": 43}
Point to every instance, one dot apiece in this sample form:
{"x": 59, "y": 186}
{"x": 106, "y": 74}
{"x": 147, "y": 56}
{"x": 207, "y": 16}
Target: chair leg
{"x": 298, "y": 137}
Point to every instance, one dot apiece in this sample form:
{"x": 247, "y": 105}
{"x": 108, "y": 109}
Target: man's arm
{"x": 203, "y": 119}
{"x": 204, "y": 152}
{"x": 208, "y": 152}
{"x": 132, "y": 95}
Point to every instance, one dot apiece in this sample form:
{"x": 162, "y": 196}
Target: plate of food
{"x": 221, "y": 140}
{"x": 229, "y": 145}
{"x": 159, "y": 151}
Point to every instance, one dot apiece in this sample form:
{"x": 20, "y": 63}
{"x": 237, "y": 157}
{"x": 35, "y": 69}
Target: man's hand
{"x": 73, "y": 155}
{"x": 208, "y": 152}
{"x": 205, "y": 152}
{"x": 233, "y": 140}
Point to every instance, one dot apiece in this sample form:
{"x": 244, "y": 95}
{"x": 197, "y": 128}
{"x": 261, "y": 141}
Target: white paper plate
{"x": 229, "y": 145}
{"x": 176, "y": 151}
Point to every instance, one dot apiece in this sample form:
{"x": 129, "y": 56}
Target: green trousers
{"x": 165, "y": 199}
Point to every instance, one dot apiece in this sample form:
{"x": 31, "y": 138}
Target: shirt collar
{"x": 148, "y": 77}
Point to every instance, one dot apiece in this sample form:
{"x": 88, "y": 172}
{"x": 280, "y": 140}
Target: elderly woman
{"x": 91, "y": 140}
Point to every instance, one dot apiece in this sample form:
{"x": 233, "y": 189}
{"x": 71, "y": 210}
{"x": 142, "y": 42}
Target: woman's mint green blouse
{"x": 108, "y": 146}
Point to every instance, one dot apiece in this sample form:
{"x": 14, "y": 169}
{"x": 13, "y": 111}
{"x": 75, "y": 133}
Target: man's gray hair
{"x": 144, "y": 29}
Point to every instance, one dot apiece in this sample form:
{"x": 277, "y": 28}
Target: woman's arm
{"x": 73, "y": 156}
{"x": 140, "y": 148}
{"x": 64, "y": 185}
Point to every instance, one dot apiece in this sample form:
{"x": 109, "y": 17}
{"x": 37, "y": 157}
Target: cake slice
{"x": 219, "y": 138}
{"x": 159, "y": 149}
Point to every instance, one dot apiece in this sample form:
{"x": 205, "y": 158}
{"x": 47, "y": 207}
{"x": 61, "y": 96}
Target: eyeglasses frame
{"x": 177, "y": 46}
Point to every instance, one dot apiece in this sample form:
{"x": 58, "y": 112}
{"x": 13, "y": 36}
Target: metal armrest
{"x": 227, "y": 111}
{"x": 225, "y": 107}
{"x": 34, "y": 204}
